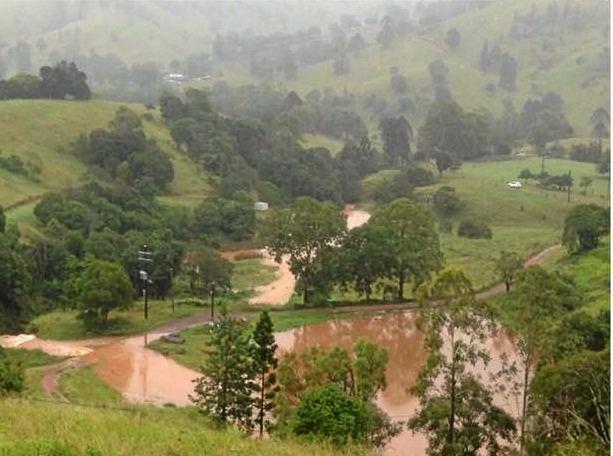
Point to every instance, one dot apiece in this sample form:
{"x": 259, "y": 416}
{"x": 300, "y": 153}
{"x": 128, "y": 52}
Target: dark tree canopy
{"x": 583, "y": 227}
{"x": 396, "y": 133}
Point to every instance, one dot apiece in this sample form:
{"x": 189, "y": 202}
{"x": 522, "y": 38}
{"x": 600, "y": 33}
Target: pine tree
{"x": 226, "y": 387}
{"x": 263, "y": 350}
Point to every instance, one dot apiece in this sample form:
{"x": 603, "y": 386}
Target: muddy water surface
{"x": 397, "y": 332}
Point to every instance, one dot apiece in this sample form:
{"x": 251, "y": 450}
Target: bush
{"x": 391, "y": 188}
{"x": 446, "y": 202}
{"x": 330, "y": 414}
{"x": 419, "y": 177}
{"x": 11, "y": 376}
{"x": 474, "y": 229}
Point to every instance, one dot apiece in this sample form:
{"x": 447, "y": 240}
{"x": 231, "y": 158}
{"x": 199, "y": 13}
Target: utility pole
{"x": 212, "y": 291}
{"x": 172, "y": 292}
{"x": 144, "y": 259}
{"x": 570, "y": 184}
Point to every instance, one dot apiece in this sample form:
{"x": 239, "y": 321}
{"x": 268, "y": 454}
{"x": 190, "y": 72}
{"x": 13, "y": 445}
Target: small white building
{"x": 175, "y": 78}
{"x": 260, "y": 206}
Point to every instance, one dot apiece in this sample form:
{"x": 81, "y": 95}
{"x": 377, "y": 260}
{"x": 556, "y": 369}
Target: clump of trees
{"x": 244, "y": 384}
{"x": 329, "y": 394}
{"x": 124, "y": 152}
{"x": 61, "y": 81}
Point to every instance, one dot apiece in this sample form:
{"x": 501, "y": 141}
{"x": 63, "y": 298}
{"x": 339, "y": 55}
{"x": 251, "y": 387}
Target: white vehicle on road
{"x": 514, "y": 184}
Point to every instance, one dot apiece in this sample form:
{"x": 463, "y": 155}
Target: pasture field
{"x": 525, "y": 221}
{"x": 40, "y": 132}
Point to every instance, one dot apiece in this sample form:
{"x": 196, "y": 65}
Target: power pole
{"x": 570, "y": 184}
{"x": 172, "y": 292}
{"x": 144, "y": 258}
{"x": 212, "y": 300}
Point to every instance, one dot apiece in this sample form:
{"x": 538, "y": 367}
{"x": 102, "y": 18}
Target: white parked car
{"x": 514, "y": 184}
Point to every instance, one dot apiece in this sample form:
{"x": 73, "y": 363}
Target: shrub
{"x": 446, "y": 201}
{"x": 392, "y": 188}
{"x": 419, "y": 177}
{"x": 331, "y": 414}
{"x": 11, "y": 376}
{"x": 474, "y": 229}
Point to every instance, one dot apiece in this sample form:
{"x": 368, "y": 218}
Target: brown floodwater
{"x": 405, "y": 344}
{"x": 281, "y": 289}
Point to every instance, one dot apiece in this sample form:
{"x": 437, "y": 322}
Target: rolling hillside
{"x": 566, "y": 68}
{"x": 157, "y": 31}
{"x": 40, "y": 131}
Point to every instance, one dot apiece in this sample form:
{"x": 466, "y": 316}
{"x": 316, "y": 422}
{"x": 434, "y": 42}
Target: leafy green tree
{"x": 508, "y": 72}
{"x": 208, "y": 269}
{"x": 600, "y": 120}
{"x": 411, "y": 245}
{"x": 225, "y": 391}
{"x": 457, "y": 411}
{"x": 361, "y": 261}
{"x": 396, "y": 133}
{"x": 448, "y": 128}
{"x": 573, "y": 401}
{"x": 370, "y": 362}
{"x": 263, "y": 350}
{"x": 585, "y": 183}
{"x": 583, "y": 226}
{"x": 399, "y": 84}
{"x": 539, "y": 299}
{"x": 453, "y": 38}
{"x": 15, "y": 283}
{"x": 172, "y": 107}
{"x": 508, "y": 265}
{"x": 302, "y": 231}
{"x": 2, "y": 220}
{"x": 64, "y": 79}
{"x": 386, "y": 35}
{"x": 446, "y": 202}
{"x": 103, "y": 286}
{"x": 443, "y": 160}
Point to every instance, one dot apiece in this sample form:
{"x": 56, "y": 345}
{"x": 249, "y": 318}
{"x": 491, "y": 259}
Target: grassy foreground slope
{"x": 52, "y": 428}
{"x": 40, "y": 131}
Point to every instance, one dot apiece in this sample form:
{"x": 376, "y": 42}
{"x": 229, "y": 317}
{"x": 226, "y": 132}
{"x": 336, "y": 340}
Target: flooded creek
{"x": 405, "y": 344}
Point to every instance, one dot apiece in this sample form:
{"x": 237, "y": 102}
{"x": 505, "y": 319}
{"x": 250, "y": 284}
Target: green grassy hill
{"x": 573, "y": 81}
{"x": 156, "y": 31}
{"x": 40, "y": 131}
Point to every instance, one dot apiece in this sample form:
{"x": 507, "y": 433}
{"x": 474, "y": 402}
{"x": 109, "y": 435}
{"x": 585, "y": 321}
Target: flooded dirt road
{"x": 396, "y": 332}
{"x": 280, "y": 290}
